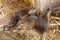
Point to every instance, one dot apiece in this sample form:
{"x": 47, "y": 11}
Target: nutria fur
{"x": 46, "y": 5}
{"x": 24, "y": 13}
{"x": 7, "y": 22}
{"x": 27, "y": 23}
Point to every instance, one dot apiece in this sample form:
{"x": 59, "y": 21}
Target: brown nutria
{"x": 47, "y": 7}
{"x": 9, "y": 21}
{"x": 42, "y": 22}
{"x": 22, "y": 14}
{"x": 27, "y": 23}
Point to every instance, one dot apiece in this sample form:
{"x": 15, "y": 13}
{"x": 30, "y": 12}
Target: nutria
{"x": 9, "y": 21}
{"x": 22, "y": 14}
{"x": 27, "y": 23}
{"x": 46, "y": 10}
{"x": 47, "y": 7}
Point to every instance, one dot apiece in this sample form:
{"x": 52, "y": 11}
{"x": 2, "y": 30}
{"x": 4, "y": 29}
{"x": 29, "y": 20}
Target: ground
{"x": 9, "y": 7}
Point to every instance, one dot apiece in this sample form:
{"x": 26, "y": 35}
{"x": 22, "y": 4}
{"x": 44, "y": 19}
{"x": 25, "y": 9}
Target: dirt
{"x": 12, "y": 6}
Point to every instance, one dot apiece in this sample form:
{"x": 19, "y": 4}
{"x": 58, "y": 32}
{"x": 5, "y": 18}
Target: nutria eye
{"x": 22, "y": 23}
